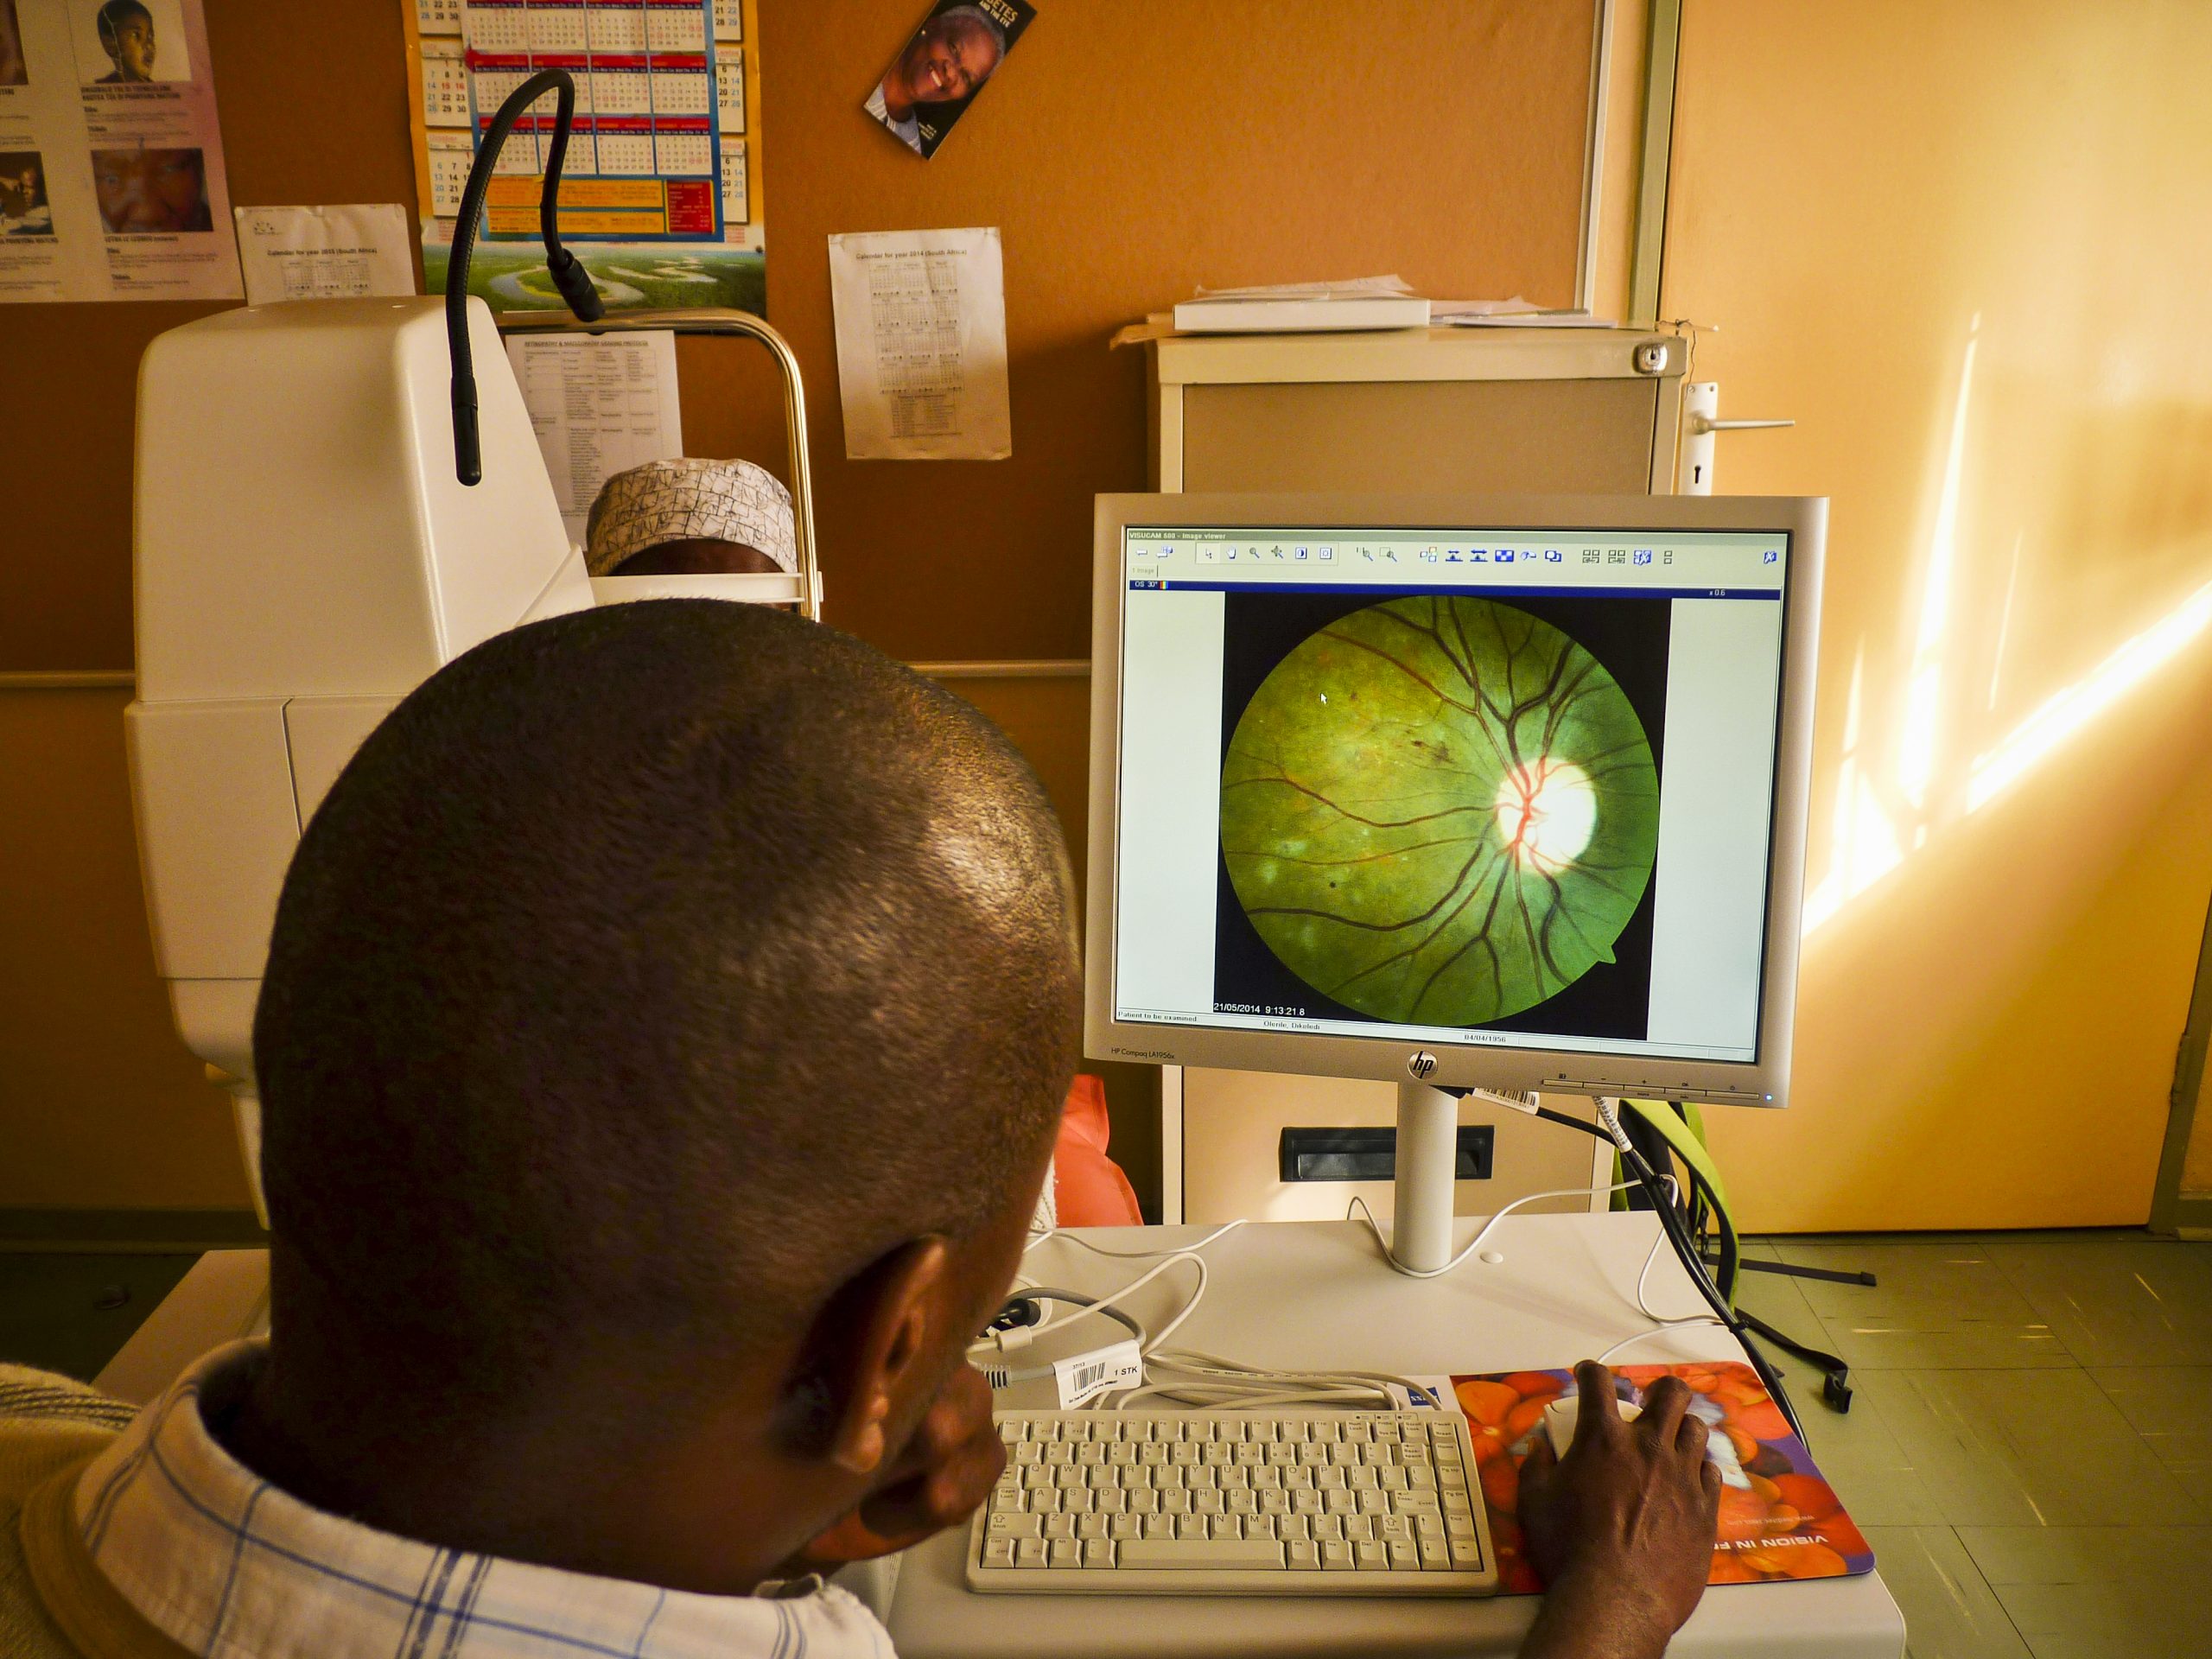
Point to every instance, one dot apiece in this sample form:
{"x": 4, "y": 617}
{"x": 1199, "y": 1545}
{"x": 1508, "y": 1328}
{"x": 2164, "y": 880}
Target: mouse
{"x": 1560, "y": 1418}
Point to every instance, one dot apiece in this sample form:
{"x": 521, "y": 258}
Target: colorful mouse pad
{"x": 1778, "y": 1518}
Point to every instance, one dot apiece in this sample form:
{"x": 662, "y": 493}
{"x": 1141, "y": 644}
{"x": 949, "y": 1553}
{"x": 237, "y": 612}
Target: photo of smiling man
{"x": 938, "y": 74}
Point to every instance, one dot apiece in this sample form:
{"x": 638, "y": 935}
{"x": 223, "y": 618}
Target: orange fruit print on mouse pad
{"x": 1779, "y": 1519}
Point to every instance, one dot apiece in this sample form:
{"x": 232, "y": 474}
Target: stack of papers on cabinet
{"x": 1304, "y": 307}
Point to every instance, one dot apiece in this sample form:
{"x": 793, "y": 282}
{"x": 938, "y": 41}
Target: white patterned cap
{"x": 676, "y": 500}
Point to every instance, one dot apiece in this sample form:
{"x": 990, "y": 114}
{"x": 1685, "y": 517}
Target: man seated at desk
{"x": 665, "y": 1028}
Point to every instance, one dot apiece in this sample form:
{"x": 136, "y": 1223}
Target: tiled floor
{"x": 2030, "y": 1446}
{"x": 2029, "y": 1449}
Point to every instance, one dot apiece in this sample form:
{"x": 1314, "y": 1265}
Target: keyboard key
{"x": 1404, "y": 1557}
{"x": 1434, "y": 1558}
{"x": 1371, "y": 1558}
{"x": 998, "y": 1552}
{"x": 1064, "y": 1552}
{"x": 1029, "y": 1552}
{"x": 1304, "y": 1556}
{"x": 1336, "y": 1557}
{"x": 1098, "y": 1553}
{"x": 1201, "y": 1554}
{"x": 1002, "y": 1525}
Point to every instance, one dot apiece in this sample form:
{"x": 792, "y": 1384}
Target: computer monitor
{"x": 1505, "y": 792}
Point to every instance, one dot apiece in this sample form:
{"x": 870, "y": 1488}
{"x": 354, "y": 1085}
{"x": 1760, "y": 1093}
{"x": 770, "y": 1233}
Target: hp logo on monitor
{"x": 1422, "y": 1065}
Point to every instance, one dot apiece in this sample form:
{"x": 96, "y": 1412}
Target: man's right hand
{"x": 1622, "y": 1528}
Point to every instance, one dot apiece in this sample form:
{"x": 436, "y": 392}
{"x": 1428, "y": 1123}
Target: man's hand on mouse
{"x": 1622, "y": 1528}
{"x": 944, "y": 1473}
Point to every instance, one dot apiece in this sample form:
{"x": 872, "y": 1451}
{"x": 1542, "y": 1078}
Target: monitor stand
{"x": 1429, "y": 1146}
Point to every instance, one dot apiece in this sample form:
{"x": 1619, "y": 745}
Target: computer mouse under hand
{"x": 1561, "y": 1415}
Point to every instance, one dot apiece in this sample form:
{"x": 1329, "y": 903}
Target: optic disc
{"x": 1546, "y": 811}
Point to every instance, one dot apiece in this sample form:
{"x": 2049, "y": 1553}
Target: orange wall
{"x": 1967, "y": 246}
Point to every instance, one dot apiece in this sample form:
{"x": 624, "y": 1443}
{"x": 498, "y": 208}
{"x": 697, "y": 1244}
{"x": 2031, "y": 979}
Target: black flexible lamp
{"x": 569, "y": 273}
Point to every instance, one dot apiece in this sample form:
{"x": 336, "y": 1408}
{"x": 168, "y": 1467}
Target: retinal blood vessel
{"x": 1440, "y": 810}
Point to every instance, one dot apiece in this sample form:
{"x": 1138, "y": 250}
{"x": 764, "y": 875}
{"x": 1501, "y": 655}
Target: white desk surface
{"x": 1317, "y": 1293}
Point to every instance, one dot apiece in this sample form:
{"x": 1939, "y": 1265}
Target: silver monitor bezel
{"x": 1764, "y": 1081}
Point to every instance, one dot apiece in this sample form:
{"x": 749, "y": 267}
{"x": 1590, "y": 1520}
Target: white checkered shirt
{"x": 226, "y": 1565}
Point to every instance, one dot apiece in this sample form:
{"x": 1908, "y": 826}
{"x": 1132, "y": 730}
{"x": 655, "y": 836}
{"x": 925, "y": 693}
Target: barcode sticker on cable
{"x": 1087, "y": 1375}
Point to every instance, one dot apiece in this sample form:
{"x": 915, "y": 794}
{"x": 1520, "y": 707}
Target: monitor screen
{"x": 1495, "y": 788}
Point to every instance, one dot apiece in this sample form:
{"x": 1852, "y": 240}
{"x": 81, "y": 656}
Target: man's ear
{"x": 858, "y": 1363}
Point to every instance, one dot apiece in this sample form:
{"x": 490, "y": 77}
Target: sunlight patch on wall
{"x": 2068, "y": 711}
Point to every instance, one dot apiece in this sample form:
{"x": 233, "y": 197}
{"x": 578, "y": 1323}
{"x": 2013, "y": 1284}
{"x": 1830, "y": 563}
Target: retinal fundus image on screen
{"x": 1441, "y": 809}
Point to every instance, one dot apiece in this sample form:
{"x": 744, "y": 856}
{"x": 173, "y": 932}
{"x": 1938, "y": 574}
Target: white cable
{"x": 1135, "y": 1255}
{"x": 1207, "y": 1381}
{"x": 1606, "y": 1358}
{"x": 1189, "y": 1308}
{"x": 1166, "y": 1258}
{"x": 1475, "y": 1244}
{"x": 1134, "y": 1286}
{"x": 1212, "y": 1365}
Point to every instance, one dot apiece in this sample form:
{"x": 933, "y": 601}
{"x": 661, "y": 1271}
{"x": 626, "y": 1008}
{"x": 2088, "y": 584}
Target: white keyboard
{"x": 1235, "y": 1503}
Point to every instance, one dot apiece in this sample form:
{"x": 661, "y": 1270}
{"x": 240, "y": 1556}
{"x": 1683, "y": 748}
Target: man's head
{"x": 126, "y": 31}
{"x": 664, "y": 1033}
{"x": 950, "y": 55}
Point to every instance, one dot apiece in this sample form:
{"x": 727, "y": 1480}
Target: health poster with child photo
{"x": 660, "y": 186}
{"x": 112, "y": 183}
{"x": 1779, "y": 1519}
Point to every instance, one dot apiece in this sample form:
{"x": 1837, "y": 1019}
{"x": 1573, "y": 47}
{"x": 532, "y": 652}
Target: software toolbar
{"x": 1751, "y": 561}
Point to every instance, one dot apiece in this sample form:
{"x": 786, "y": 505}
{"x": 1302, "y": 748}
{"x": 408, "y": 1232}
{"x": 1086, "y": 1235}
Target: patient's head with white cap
{"x": 692, "y": 517}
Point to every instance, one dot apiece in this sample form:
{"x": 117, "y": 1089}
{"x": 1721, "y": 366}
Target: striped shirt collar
{"x": 226, "y": 1565}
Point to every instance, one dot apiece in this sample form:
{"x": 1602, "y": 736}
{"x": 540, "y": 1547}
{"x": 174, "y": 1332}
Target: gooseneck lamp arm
{"x": 569, "y": 273}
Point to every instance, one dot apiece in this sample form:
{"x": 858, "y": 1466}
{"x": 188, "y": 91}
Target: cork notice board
{"x": 1128, "y": 153}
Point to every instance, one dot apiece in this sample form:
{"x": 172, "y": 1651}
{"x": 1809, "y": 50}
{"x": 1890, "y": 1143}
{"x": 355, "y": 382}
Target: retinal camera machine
{"x": 1504, "y": 794}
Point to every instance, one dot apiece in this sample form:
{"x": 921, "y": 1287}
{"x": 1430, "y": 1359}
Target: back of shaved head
{"x": 648, "y": 973}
